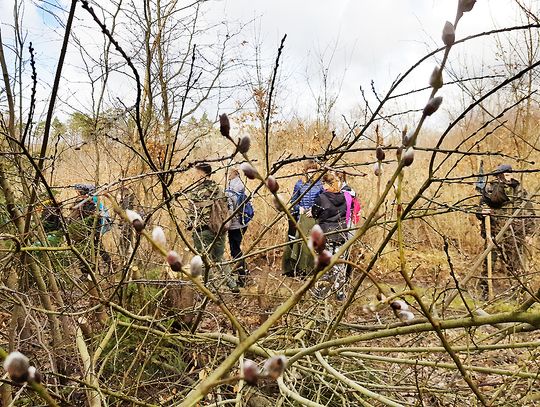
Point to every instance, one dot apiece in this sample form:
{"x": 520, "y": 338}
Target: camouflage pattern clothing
{"x": 200, "y": 201}
{"x": 503, "y": 198}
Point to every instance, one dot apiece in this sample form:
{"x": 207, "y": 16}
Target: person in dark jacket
{"x": 330, "y": 212}
{"x": 237, "y": 229}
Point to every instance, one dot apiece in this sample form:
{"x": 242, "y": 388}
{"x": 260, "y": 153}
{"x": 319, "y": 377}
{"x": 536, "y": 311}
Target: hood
{"x": 336, "y": 198}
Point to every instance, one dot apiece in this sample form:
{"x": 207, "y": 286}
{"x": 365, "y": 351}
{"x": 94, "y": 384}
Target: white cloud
{"x": 377, "y": 40}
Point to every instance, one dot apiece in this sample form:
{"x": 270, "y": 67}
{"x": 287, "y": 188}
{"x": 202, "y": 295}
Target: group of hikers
{"x": 329, "y": 203}
{"x": 216, "y": 214}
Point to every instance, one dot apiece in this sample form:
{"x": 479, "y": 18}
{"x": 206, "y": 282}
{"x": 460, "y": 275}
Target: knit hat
{"x": 503, "y": 168}
{"x": 85, "y": 188}
{"x": 204, "y": 167}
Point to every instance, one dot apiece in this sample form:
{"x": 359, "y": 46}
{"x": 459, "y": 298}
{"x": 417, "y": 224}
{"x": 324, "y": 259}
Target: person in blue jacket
{"x": 297, "y": 258}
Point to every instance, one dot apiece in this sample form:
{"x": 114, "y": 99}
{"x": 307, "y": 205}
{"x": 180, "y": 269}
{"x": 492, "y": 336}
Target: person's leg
{"x": 235, "y": 245}
{"x": 291, "y": 231}
{"x": 98, "y": 246}
{"x": 216, "y": 254}
{"x": 288, "y": 265}
{"x": 242, "y": 270}
{"x": 200, "y": 246}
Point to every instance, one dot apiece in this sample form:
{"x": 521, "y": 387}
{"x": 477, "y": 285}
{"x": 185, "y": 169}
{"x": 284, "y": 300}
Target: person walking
{"x": 297, "y": 258}
{"x": 206, "y": 220}
{"x": 89, "y": 219}
{"x": 499, "y": 200}
{"x": 236, "y": 192}
{"x": 330, "y": 212}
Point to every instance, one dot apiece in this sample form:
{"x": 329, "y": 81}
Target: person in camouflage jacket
{"x": 199, "y": 212}
{"x": 499, "y": 200}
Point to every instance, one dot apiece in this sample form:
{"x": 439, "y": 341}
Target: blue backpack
{"x": 247, "y": 212}
{"x": 105, "y": 221}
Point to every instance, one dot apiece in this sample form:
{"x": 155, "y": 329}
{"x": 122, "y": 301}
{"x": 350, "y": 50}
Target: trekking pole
{"x": 489, "y": 259}
{"x": 480, "y": 186}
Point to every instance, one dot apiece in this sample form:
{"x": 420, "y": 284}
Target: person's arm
{"x": 317, "y": 209}
{"x": 295, "y": 195}
{"x": 231, "y": 197}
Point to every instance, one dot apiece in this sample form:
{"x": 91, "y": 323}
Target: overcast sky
{"x": 373, "y": 40}
{"x": 376, "y": 39}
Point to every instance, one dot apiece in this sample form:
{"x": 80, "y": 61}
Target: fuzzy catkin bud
{"x": 251, "y": 372}
{"x": 436, "y": 80}
{"x": 17, "y": 365}
{"x": 224, "y": 125}
{"x": 399, "y": 152}
{"x": 135, "y": 220}
{"x": 249, "y": 171}
{"x": 405, "y": 315}
{"x": 196, "y": 266}
{"x": 317, "y": 239}
{"x": 279, "y": 202}
{"x": 158, "y": 236}
{"x": 408, "y": 157}
{"x": 34, "y": 375}
{"x": 380, "y": 154}
{"x": 323, "y": 259}
{"x": 174, "y": 261}
{"x": 272, "y": 184}
{"x": 406, "y": 139}
{"x": 433, "y": 105}
{"x": 399, "y": 305}
{"x": 275, "y": 366}
{"x": 377, "y": 168}
{"x": 448, "y": 34}
{"x": 466, "y": 5}
{"x": 244, "y": 144}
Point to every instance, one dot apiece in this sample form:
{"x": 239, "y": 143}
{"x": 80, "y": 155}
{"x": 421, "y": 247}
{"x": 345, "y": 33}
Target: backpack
{"x": 105, "y": 221}
{"x": 353, "y": 209}
{"x": 219, "y": 215}
{"x": 247, "y": 212}
{"x": 495, "y": 195}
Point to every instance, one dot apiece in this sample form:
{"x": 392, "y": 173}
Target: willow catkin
{"x": 248, "y": 170}
{"x": 196, "y": 266}
{"x": 448, "y": 34}
{"x": 272, "y": 184}
{"x": 174, "y": 261}
{"x": 317, "y": 239}
{"x": 408, "y": 157}
{"x": 433, "y": 105}
{"x": 251, "y": 372}
{"x": 244, "y": 144}
{"x": 380, "y": 154}
{"x": 436, "y": 79}
{"x": 377, "y": 168}
{"x": 135, "y": 219}
{"x": 158, "y": 236}
{"x": 17, "y": 365}
{"x": 466, "y": 5}
{"x": 224, "y": 126}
